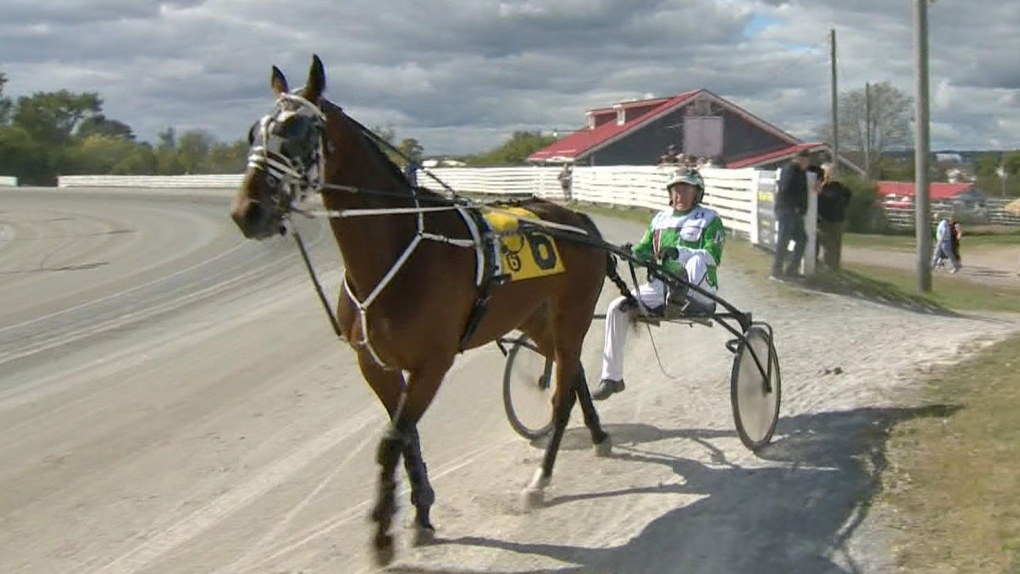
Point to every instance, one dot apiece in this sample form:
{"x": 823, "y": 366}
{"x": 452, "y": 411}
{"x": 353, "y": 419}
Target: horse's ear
{"x": 278, "y": 82}
{"x": 316, "y": 80}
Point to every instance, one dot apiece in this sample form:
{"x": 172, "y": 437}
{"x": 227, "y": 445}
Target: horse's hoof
{"x": 532, "y": 499}
{"x": 384, "y": 551}
{"x": 422, "y": 535}
{"x": 604, "y": 448}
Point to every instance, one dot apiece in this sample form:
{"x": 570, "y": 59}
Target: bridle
{"x": 295, "y": 177}
{"x": 292, "y": 179}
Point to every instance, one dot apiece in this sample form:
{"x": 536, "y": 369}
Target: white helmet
{"x": 690, "y": 177}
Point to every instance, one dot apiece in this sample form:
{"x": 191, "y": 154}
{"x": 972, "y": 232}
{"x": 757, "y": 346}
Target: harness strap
{"x": 365, "y": 341}
{"x": 318, "y": 286}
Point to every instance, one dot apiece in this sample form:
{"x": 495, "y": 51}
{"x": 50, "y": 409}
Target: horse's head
{"x": 286, "y": 160}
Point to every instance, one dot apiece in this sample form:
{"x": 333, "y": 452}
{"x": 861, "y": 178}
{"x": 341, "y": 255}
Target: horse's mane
{"x": 387, "y": 163}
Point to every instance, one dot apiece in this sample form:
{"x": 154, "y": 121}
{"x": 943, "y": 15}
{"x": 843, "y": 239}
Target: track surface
{"x": 172, "y": 400}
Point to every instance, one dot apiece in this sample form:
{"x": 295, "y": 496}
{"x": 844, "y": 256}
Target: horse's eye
{"x": 295, "y": 129}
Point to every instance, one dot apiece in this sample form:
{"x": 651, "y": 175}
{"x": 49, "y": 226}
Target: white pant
{"x": 651, "y": 295}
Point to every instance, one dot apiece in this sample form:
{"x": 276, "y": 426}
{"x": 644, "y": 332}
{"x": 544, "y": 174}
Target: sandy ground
{"x": 172, "y": 400}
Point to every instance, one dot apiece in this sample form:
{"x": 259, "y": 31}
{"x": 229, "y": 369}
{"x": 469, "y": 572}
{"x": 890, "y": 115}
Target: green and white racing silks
{"x": 696, "y": 233}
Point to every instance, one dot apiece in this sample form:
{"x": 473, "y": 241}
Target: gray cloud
{"x": 461, "y": 75}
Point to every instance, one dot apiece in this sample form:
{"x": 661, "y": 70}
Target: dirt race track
{"x": 172, "y": 400}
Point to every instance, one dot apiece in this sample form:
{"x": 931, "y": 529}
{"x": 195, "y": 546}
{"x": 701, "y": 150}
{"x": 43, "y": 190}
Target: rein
{"x": 302, "y": 184}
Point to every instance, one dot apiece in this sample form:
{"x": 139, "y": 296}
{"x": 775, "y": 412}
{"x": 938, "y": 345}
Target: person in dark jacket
{"x": 790, "y": 206}
{"x": 833, "y": 199}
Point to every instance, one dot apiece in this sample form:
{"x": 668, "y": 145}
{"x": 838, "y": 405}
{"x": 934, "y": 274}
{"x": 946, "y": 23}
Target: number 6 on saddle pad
{"x": 523, "y": 254}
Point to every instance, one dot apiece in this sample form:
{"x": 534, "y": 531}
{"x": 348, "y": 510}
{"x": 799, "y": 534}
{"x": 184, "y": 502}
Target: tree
{"x": 193, "y": 150}
{"x": 51, "y": 117}
{"x": 5, "y": 103}
{"x": 22, "y": 157}
{"x": 384, "y": 133}
{"x": 167, "y": 139}
{"x": 100, "y": 125}
{"x": 872, "y": 121}
{"x": 410, "y": 148}
{"x": 229, "y": 158}
{"x": 167, "y": 162}
{"x": 98, "y": 154}
{"x": 515, "y": 151}
{"x": 141, "y": 161}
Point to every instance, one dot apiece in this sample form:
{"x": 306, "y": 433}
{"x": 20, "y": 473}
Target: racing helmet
{"x": 690, "y": 177}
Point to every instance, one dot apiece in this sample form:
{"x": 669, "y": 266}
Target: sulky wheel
{"x": 528, "y": 389}
{"x": 754, "y": 391}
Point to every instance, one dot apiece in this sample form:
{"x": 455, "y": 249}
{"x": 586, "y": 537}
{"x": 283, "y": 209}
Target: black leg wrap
{"x": 392, "y": 443}
{"x": 591, "y": 416}
{"x": 422, "y": 494}
{"x": 387, "y": 456}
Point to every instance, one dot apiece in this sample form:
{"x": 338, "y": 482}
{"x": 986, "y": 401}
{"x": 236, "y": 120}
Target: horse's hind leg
{"x": 539, "y": 329}
{"x": 599, "y": 437}
{"x": 568, "y": 336}
{"x": 567, "y": 369}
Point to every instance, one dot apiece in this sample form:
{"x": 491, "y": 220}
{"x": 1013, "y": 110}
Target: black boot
{"x": 606, "y": 388}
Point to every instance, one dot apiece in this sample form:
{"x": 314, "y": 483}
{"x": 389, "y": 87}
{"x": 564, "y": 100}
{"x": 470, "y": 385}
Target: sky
{"x": 462, "y": 75}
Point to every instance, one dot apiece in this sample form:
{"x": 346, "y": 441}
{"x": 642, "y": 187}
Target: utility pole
{"x": 867, "y": 129}
{"x": 922, "y": 207}
{"x": 835, "y": 103}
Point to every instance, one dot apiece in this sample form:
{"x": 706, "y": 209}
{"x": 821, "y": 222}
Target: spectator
{"x": 566, "y": 178}
{"x": 944, "y": 245}
{"x": 833, "y": 198}
{"x": 957, "y": 234}
{"x": 669, "y": 156}
{"x": 790, "y": 206}
{"x": 411, "y": 172}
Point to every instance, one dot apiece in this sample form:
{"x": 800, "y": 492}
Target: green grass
{"x": 955, "y": 481}
{"x": 897, "y": 286}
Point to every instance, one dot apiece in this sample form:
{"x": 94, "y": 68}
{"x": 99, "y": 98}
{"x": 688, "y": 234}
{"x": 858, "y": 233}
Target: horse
{"x": 411, "y": 282}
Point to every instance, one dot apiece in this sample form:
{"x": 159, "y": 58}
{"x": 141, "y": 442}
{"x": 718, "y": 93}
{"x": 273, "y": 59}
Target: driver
{"x": 688, "y": 239}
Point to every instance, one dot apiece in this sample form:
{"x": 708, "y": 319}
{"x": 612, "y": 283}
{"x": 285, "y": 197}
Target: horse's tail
{"x": 614, "y": 276}
{"x": 611, "y": 271}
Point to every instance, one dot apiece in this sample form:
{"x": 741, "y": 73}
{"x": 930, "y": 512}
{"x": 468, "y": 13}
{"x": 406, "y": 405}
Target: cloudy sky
{"x": 461, "y": 75}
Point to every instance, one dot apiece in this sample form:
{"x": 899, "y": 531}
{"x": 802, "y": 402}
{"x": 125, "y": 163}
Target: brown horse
{"x": 411, "y": 281}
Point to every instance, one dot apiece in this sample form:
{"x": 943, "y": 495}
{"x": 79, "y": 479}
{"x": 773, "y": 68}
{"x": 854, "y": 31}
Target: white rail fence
{"x": 743, "y": 197}
{"x": 212, "y": 181}
{"x": 732, "y": 192}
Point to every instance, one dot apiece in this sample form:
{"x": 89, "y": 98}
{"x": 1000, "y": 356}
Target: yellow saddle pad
{"x": 523, "y": 254}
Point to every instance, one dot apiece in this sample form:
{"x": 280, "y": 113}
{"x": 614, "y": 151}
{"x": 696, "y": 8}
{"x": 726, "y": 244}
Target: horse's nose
{"x": 248, "y": 215}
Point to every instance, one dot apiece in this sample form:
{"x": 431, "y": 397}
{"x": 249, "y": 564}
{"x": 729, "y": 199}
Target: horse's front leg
{"x": 422, "y": 495}
{"x": 402, "y": 438}
{"x": 388, "y": 454}
{"x": 389, "y": 386}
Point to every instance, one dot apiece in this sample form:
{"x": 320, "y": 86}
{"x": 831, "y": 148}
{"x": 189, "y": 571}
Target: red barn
{"x": 697, "y": 123}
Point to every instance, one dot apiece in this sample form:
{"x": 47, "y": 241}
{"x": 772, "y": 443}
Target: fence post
{"x": 755, "y": 186}
{"x": 807, "y": 264}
